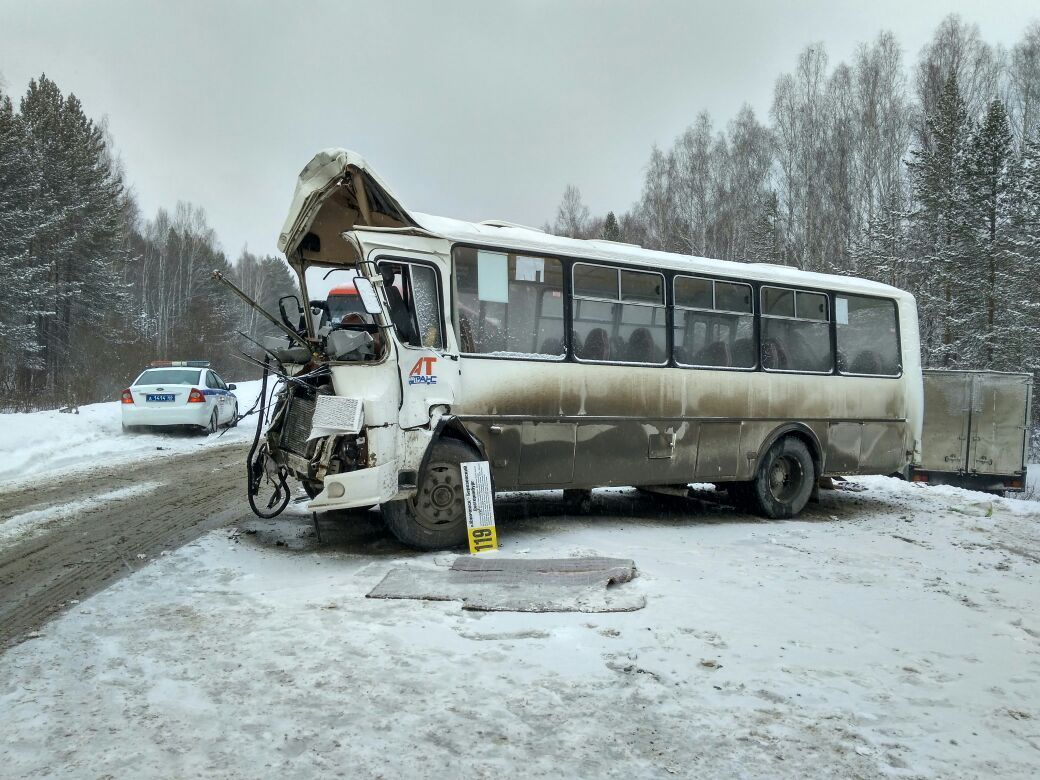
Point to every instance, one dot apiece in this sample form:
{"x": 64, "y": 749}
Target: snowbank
{"x": 40, "y": 443}
{"x": 893, "y": 632}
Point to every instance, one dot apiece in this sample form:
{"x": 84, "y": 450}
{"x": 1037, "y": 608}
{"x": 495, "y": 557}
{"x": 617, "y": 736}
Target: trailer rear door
{"x": 1000, "y": 404}
{"x": 947, "y": 408}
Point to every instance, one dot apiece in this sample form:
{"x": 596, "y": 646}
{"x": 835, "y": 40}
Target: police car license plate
{"x": 152, "y": 397}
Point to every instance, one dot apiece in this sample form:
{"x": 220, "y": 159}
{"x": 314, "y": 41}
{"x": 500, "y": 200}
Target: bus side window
{"x": 414, "y": 298}
{"x": 509, "y": 305}
{"x": 796, "y": 331}
{"x": 714, "y": 323}
{"x": 426, "y": 305}
{"x": 619, "y": 315}
{"x": 868, "y": 340}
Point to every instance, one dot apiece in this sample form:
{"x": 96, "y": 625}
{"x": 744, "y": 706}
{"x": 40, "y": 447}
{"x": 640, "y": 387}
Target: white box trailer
{"x": 976, "y": 429}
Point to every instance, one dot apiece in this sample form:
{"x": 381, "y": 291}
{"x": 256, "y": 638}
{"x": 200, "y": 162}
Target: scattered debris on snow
{"x": 497, "y": 584}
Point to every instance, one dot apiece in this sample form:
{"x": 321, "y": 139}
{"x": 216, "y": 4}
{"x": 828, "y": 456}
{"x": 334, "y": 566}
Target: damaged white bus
{"x": 566, "y": 364}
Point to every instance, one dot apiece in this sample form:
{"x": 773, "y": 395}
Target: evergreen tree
{"x": 1027, "y": 256}
{"x": 20, "y": 212}
{"x": 77, "y": 244}
{"x": 992, "y": 194}
{"x": 84, "y": 277}
{"x": 942, "y": 260}
{"x": 765, "y": 243}
{"x": 611, "y": 228}
{"x": 882, "y": 251}
{"x": 1028, "y": 213}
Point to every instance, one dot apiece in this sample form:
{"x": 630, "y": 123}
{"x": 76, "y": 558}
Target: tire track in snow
{"x": 88, "y": 530}
{"x": 37, "y": 521}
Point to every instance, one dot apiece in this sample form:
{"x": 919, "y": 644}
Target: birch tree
{"x": 799, "y": 129}
{"x": 572, "y": 218}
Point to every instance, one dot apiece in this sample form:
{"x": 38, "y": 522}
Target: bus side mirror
{"x": 367, "y": 294}
{"x": 286, "y": 316}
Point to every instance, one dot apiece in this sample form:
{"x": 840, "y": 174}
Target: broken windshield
{"x": 412, "y": 294}
{"x": 342, "y": 326}
{"x": 334, "y": 299}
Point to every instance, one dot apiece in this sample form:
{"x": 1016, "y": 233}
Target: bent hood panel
{"x": 335, "y": 192}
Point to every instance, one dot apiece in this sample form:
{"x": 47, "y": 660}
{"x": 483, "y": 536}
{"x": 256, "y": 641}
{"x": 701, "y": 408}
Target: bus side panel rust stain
{"x": 718, "y": 419}
{"x": 554, "y": 390}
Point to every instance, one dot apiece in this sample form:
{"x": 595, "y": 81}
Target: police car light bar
{"x": 186, "y": 363}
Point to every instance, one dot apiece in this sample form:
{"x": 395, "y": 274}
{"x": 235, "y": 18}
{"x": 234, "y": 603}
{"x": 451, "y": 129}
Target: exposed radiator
{"x": 298, "y": 425}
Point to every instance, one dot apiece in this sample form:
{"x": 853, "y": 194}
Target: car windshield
{"x": 169, "y": 376}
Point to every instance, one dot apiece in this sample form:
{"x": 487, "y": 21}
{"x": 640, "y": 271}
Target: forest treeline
{"x": 90, "y": 289}
{"x": 925, "y": 176}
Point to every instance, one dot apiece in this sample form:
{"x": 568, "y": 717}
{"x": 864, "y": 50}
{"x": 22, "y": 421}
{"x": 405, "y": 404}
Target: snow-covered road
{"x": 64, "y": 538}
{"x": 893, "y": 632}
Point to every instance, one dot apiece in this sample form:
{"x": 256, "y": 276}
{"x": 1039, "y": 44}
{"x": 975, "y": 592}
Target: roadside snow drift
{"x": 889, "y": 633}
{"x": 38, "y": 444}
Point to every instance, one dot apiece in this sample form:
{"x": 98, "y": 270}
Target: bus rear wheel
{"x": 783, "y": 482}
{"x": 435, "y": 517}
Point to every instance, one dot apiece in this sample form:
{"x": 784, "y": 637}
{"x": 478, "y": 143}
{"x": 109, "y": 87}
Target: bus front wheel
{"x": 435, "y": 517}
{"x": 783, "y": 481}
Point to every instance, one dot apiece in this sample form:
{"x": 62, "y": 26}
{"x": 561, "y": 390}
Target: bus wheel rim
{"x": 785, "y": 478}
{"x": 439, "y": 501}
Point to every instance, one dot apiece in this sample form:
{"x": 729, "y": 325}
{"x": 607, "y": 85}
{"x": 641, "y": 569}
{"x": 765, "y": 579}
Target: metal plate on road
{"x": 480, "y": 506}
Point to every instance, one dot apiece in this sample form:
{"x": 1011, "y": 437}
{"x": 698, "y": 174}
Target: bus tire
{"x": 435, "y": 517}
{"x": 783, "y": 482}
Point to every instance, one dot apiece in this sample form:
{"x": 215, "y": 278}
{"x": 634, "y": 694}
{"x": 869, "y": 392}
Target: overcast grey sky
{"x": 467, "y": 109}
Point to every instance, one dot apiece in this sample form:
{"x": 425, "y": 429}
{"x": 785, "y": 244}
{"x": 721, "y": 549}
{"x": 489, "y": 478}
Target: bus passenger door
{"x": 429, "y": 371}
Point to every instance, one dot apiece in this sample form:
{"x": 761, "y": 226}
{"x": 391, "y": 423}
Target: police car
{"x": 179, "y": 393}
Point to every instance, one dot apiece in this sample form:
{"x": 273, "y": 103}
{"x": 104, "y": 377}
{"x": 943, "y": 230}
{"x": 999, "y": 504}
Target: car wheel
{"x": 234, "y": 416}
{"x": 213, "y": 425}
{"x": 435, "y": 517}
{"x": 783, "y": 481}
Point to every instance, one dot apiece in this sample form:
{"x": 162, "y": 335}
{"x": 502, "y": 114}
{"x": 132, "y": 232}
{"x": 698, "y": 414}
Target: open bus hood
{"x": 335, "y": 192}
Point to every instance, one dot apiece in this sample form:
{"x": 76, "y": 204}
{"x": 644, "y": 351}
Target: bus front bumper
{"x": 364, "y": 487}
